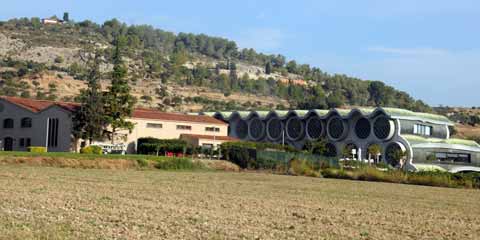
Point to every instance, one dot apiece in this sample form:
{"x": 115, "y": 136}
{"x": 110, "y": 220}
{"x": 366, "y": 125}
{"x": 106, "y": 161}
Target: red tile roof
{"x": 40, "y": 105}
{"x": 153, "y": 114}
{"x": 210, "y": 137}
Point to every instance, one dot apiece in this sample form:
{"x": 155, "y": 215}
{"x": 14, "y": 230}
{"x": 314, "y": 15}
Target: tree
{"x": 347, "y": 151}
{"x": 316, "y": 147}
{"x": 278, "y": 61}
{"x": 119, "y": 102}
{"x": 335, "y": 100}
{"x": 36, "y": 84}
{"x": 36, "y": 23}
{"x": 223, "y": 82}
{"x": 66, "y": 17}
{"x": 292, "y": 66}
{"x": 147, "y": 99}
{"x": 374, "y": 150}
{"x": 89, "y": 121}
{"x": 315, "y": 100}
{"x": 268, "y": 68}
{"x": 52, "y": 92}
{"x": 233, "y": 76}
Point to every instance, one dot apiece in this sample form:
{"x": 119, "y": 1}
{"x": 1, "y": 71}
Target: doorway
{"x": 8, "y": 144}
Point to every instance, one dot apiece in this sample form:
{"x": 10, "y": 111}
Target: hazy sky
{"x": 428, "y": 48}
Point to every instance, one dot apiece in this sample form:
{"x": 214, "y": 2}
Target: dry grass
{"x": 467, "y": 131}
{"x": 56, "y": 203}
{"x": 118, "y": 162}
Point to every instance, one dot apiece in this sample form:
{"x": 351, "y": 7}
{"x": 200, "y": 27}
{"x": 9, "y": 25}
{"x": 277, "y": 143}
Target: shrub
{"x": 59, "y": 59}
{"x": 302, "y": 168}
{"x": 335, "y": 173}
{"x": 256, "y": 145}
{"x": 152, "y": 146}
{"x": 142, "y": 162}
{"x": 178, "y": 164}
{"x": 92, "y": 150}
{"x": 263, "y": 163}
{"x": 382, "y": 165}
{"x": 371, "y": 174}
{"x": 244, "y": 154}
{"x": 37, "y": 149}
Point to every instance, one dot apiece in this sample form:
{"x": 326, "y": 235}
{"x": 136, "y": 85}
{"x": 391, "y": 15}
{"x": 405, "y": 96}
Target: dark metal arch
{"x": 363, "y": 128}
{"x": 295, "y": 128}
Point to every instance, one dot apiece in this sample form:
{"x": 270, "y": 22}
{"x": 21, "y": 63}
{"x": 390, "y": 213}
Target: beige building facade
{"x": 206, "y": 141}
{"x": 149, "y": 123}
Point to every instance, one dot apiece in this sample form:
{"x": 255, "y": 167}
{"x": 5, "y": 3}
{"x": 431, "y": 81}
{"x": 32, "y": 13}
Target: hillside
{"x": 177, "y": 72}
{"x": 467, "y": 121}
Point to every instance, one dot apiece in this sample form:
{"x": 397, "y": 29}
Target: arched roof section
{"x": 271, "y": 114}
{"x": 299, "y": 113}
{"x": 410, "y": 115}
{"x": 319, "y": 112}
{"x": 395, "y": 113}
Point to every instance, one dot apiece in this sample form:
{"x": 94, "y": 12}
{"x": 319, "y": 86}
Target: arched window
{"x": 26, "y": 122}
{"x": 8, "y": 123}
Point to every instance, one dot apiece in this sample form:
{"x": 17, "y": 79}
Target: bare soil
{"x": 64, "y": 203}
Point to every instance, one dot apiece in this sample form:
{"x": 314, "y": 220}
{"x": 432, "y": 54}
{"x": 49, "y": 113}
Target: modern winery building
{"x": 424, "y": 138}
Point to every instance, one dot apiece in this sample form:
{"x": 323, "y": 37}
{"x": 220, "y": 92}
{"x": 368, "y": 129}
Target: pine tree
{"x": 89, "y": 120}
{"x": 66, "y": 17}
{"x": 233, "y": 76}
{"x": 119, "y": 102}
{"x": 268, "y": 68}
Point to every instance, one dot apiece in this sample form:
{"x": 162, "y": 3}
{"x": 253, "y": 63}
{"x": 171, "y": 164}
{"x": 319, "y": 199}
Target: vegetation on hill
{"x": 202, "y": 61}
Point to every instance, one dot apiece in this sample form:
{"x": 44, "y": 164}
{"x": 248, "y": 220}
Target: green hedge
{"x": 37, "y": 149}
{"x": 152, "y": 146}
{"x": 257, "y": 145}
{"x": 254, "y": 155}
{"x": 92, "y": 150}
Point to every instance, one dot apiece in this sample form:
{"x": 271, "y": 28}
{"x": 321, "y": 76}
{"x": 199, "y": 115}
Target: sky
{"x": 429, "y": 48}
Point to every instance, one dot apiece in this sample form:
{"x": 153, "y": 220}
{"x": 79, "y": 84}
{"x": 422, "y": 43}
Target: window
{"x": 26, "y": 123}
{"x": 53, "y": 132}
{"x": 154, "y": 125}
{"x": 422, "y": 130}
{"x": 8, "y": 123}
{"x": 207, "y": 146}
{"x": 212, "y": 129}
{"x": 25, "y": 142}
{"x": 453, "y": 157}
{"x": 184, "y": 127}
